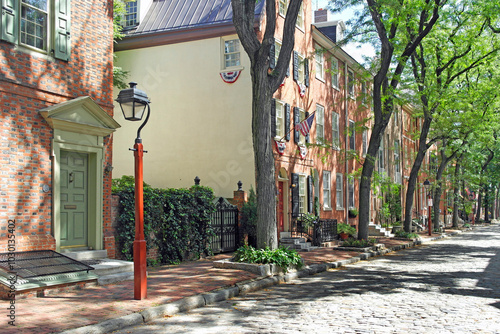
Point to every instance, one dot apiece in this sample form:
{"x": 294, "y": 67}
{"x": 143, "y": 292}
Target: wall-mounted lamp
{"x": 108, "y": 169}
{"x": 292, "y": 185}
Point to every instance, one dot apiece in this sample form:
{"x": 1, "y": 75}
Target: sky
{"x": 357, "y": 51}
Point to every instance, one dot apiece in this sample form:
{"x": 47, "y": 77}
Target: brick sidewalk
{"x": 55, "y": 313}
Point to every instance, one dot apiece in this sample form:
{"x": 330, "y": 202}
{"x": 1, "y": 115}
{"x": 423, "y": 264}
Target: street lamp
{"x": 427, "y": 186}
{"x": 133, "y": 103}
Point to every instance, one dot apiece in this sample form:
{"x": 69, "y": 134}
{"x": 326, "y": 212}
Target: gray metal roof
{"x": 169, "y": 15}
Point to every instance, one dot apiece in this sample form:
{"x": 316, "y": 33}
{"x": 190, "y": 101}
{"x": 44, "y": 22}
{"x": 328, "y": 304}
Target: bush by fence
{"x": 176, "y": 221}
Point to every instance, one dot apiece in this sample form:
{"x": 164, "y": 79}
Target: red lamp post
{"x": 133, "y": 103}
{"x": 427, "y": 185}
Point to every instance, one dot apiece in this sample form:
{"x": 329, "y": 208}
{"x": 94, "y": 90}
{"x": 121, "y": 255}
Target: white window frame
{"x": 131, "y": 17}
{"x": 352, "y": 135}
{"x": 301, "y": 69}
{"x": 364, "y": 98}
{"x": 320, "y": 124}
{"x": 339, "y": 191}
{"x": 350, "y": 188}
{"x": 47, "y": 13}
{"x": 280, "y": 119}
{"x": 351, "y": 79}
{"x": 327, "y": 195}
{"x": 397, "y": 162}
{"x": 283, "y": 7}
{"x": 302, "y": 193}
{"x": 365, "y": 142}
{"x": 223, "y": 58}
{"x": 277, "y": 50}
{"x": 335, "y": 73}
{"x": 381, "y": 157}
{"x": 320, "y": 64}
{"x": 300, "y": 17}
{"x": 335, "y": 130}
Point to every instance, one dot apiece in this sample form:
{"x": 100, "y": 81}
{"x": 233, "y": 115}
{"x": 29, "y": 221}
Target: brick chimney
{"x": 321, "y": 15}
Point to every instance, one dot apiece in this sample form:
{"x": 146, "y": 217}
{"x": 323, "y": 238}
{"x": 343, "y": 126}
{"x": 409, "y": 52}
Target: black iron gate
{"x": 225, "y": 226}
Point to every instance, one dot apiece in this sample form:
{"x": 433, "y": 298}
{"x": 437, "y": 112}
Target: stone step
{"x": 114, "y": 278}
{"x": 294, "y": 241}
{"x": 86, "y": 254}
{"x": 112, "y": 266}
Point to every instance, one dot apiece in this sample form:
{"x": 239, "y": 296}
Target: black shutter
{"x": 272, "y": 56}
{"x": 306, "y": 72}
{"x": 295, "y": 65}
{"x": 295, "y": 195}
{"x": 287, "y": 122}
{"x": 310, "y": 198}
{"x": 9, "y": 29}
{"x": 296, "y": 121}
{"x": 273, "y": 118}
{"x": 307, "y": 137}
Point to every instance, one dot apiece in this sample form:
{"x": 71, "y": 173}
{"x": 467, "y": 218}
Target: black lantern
{"x": 427, "y": 184}
{"x": 133, "y": 103}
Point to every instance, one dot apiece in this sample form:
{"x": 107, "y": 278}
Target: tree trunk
{"x": 412, "y": 181}
{"x": 455, "y": 196}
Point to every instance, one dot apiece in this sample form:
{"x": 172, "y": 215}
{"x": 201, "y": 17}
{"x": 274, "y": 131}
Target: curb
{"x": 204, "y": 299}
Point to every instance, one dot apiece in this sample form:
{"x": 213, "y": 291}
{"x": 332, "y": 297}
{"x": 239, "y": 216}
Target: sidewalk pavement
{"x": 171, "y": 289}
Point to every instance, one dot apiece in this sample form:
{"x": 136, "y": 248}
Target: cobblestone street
{"x": 448, "y": 286}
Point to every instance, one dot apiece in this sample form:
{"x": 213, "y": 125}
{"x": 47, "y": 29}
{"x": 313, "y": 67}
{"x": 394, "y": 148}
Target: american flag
{"x": 305, "y": 126}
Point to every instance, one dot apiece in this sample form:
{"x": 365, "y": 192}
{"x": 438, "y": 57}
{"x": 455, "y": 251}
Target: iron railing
{"x": 324, "y": 230}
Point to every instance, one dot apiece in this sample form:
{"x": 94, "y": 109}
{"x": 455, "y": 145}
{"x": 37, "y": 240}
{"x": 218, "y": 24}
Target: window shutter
{"x": 295, "y": 195}
{"x": 272, "y": 55}
{"x": 306, "y": 72}
{"x": 287, "y": 122}
{"x": 295, "y": 65}
{"x": 10, "y": 19}
{"x": 308, "y": 134}
{"x": 273, "y": 118}
{"x": 62, "y": 47}
{"x": 310, "y": 198}
{"x": 296, "y": 121}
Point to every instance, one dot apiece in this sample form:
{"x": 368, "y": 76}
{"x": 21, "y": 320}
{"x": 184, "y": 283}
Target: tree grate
{"x": 40, "y": 263}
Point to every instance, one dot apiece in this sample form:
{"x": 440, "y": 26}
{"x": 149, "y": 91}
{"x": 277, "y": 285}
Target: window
{"x": 352, "y": 135}
{"x": 131, "y": 14}
{"x": 277, "y": 49}
{"x": 340, "y": 191}
{"x": 302, "y": 194}
{"x": 365, "y": 142}
{"x": 320, "y": 64}
{"x": 350, "y": 186}
{"x": 302, "y": 116}
{"x": 397, "y": 168}
{"x": 300, "y": 17}
{"x": 280, "y": 119}
{"x": 40, "y": 25}
{"x": 301, "y": 69}
{"x": 283, "y": 6}
{"x": 335, "y": 73}
{"x": 231, "y": 53}
{"x": 381, "y": 161}
{"x": 335, "y": 130}
{"x": 327, "y": 201}
{"x": 363, "y": 93}
{"x": 320, "y": 124}
{"x": 350, "y": 82}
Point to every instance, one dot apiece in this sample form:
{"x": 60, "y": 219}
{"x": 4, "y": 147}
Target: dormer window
{"x": 131, "y": 14}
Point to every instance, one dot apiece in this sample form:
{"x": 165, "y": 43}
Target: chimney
{"x": 320, "y": 15}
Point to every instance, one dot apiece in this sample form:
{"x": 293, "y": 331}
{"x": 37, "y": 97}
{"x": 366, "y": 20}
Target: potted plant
{"x": 353, "y": 213}
{"x": 345, "y": 230}
{"x": 308, "y": 220}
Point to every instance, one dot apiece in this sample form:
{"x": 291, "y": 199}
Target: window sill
{"x": 327, "y": 209}
{"x": 336, "y": 88}
{"x": 232, "y": 69}
{"x": 321, "y": 79}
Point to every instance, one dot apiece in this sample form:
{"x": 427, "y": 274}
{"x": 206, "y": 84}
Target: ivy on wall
{"x": 176, "y": 221}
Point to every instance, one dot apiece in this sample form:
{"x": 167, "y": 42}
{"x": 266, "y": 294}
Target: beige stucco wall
{"x": 199, "y": 125}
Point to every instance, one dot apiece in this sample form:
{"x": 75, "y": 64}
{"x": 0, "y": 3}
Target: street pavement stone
{"x": 450, "y": 286}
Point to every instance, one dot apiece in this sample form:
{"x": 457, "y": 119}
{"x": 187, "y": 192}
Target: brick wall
{"x": 30, "y": 81}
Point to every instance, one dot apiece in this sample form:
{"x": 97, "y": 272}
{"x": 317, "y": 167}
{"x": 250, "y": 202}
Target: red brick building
{"x": 56, "y": 81}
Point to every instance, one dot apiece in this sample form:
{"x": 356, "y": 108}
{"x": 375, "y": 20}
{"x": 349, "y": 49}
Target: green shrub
{"x": 346, "y": 228}
{"x": 176, "y": 221}
{"x": 407, "y": 235}
{"x": 125, "y": 183}
{"x": 282, "y": 257}
{"x": 351, "y": 242}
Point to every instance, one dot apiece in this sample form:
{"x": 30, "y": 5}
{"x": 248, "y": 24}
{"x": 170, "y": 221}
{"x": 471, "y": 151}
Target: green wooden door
{"x": 74, "y": 179}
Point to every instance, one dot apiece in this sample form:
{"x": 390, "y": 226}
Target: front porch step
{"x": 81, "y": 255}
{"x": 378, "y": 231}
{"x": 294, "y": 241}
{"x": 299, "y": 244}
{"x": 112, "y": 271}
